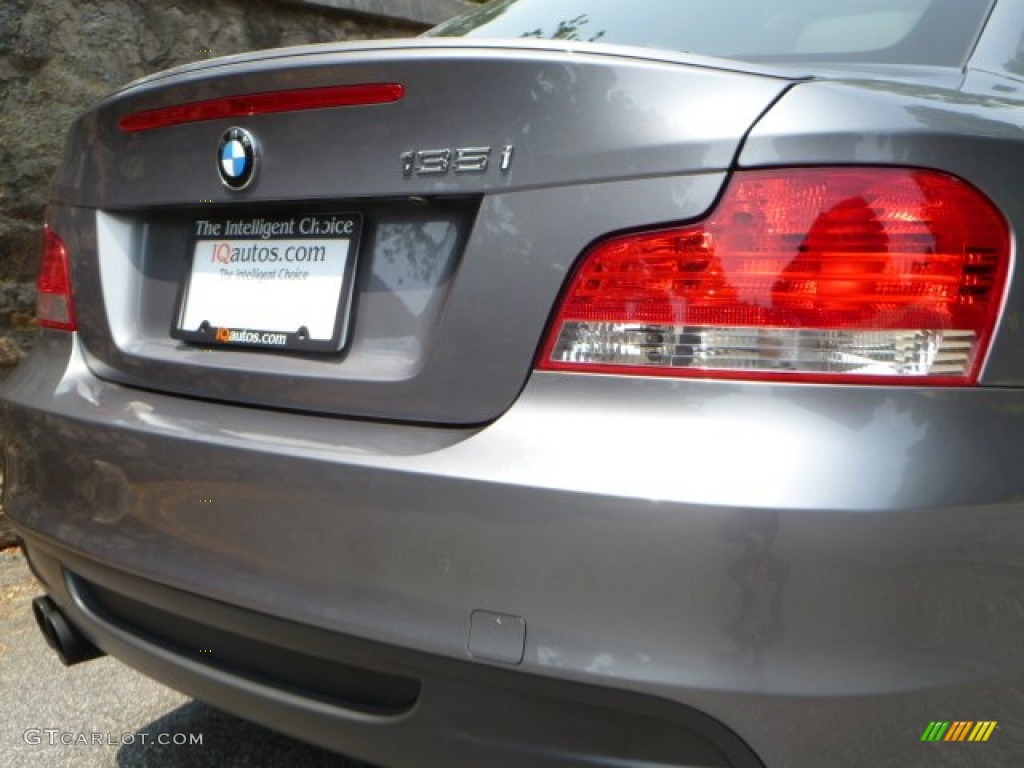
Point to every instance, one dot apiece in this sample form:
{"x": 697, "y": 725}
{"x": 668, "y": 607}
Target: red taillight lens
{"x": 826, "y": 274}
{"x": 54, "y": 308}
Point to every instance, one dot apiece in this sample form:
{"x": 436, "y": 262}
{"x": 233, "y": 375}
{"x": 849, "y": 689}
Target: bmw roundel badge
{"x": 236, "y": 158}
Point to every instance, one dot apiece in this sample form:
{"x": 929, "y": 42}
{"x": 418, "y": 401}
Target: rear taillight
{"x": 826, "y": 274}
{"x": 54, "y": 308}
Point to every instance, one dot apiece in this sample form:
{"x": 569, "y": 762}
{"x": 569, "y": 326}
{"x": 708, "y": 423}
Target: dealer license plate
{"x": 275, "y": 282}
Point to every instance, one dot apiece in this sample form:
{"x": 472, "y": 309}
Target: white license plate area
{"x": 273, "y": 282}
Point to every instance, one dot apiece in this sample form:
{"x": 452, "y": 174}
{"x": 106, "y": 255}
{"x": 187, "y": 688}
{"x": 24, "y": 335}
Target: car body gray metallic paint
{"x": 824, "y": 570}
{"x": 636, "y": 112}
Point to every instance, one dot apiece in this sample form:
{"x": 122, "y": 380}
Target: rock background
{"x": 58, "y": 56}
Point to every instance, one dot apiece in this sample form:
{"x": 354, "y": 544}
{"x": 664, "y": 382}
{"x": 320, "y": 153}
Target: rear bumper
{"x": 384, "y": 703}
{"x": 823, "y": 572}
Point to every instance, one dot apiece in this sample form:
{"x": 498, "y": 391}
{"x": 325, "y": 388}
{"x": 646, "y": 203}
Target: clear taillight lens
{"x": 54, "y": 308}
{"x": 824, "y": 274}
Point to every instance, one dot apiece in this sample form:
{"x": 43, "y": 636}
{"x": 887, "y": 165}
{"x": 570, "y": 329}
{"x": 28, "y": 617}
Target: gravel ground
{"x": 106, "y": 697}
{"x": 6, "y": 534}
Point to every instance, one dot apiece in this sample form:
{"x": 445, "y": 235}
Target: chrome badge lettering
{"x": 461, "y": 160}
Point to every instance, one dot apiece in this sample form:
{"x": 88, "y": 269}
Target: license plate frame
{"x": 270, "y": 282}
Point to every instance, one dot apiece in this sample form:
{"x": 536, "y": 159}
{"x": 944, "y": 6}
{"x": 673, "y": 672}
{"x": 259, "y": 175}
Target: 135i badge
{"x": 462, "y": 160}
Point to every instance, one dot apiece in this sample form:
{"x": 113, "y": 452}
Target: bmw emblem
{"x": 236, "y": 158}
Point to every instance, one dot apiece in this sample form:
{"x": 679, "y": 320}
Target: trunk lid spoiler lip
{"x": 792, "y": 72}
{"x": 463, "y": 45}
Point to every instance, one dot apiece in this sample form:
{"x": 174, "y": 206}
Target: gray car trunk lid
{"x": 456, "y": 273}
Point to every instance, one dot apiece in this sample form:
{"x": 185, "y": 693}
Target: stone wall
{"x": 58, "y": 56}
{"x": 429, "y": 12}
